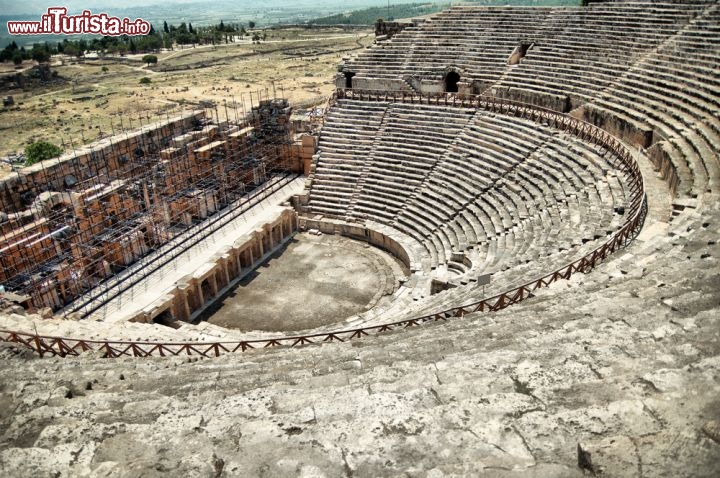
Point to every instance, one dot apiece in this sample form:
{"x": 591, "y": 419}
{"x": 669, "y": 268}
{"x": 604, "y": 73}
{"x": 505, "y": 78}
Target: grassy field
{"x": 97, "y": 95}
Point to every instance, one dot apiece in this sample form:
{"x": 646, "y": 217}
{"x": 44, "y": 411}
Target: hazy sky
{"x": 36, "y": 7}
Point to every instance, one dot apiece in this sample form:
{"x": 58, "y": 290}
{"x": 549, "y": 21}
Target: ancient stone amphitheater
{"x": 549, "y": 179}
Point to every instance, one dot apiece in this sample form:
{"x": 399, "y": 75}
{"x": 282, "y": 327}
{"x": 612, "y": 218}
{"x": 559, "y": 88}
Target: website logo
{"x": 57, "y": 22}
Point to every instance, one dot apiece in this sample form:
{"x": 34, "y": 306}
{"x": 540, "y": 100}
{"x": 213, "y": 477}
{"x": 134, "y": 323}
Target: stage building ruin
{"x": 70, "y": 223}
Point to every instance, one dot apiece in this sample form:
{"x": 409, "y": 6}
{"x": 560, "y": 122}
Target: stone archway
{"x": 451, "y": 81}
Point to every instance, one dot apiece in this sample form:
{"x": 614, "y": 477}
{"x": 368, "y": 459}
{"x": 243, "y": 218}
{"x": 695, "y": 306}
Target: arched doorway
{"x": 451, "y": 82}
{"x": 206, "y": 290}
{"x": 165, "y": 318}
{"x": 348, "y": 79}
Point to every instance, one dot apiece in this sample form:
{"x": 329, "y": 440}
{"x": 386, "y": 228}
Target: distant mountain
{"x": 267, "y": 12}
{"x": 140, "y": 9}
{"x": 393, "y": 11}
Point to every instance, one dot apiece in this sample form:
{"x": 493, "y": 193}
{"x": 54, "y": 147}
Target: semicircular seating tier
{"x": 466, "y": 192}
{"x": 575, "y": 44}
{"x": 644, "y": 71}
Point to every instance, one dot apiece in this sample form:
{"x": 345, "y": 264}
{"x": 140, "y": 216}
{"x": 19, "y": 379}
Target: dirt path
{"x": 191, "y": 49}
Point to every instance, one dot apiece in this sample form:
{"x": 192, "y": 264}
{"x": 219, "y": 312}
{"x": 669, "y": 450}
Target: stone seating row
{"x": 407, "y": 146}
{"x": 349, "y": 128}
{"x": 532, "y": 191}
{"x": 478, "y": 40}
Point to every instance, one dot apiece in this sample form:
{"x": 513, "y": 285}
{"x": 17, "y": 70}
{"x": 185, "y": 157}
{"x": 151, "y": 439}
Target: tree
{"x": 40, "y": 151}
{"x": 83, "y": 46}
{"x": 190, "y": 28}
{"x": 17, "y": 58}
{"x": 221, "y": 27}
{"x": 150, "y": 59}
{"x": 40, "y": 55}
{"x": 165, "y": 27}
{"x": 70, "y": 49}
{"x": 8, "y": 52}
{"x": 251, "y": 24}
{"x": 74, "y": 48}
{"x": 149, "y": 42}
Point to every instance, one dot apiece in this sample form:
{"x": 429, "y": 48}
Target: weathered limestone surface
{"x": 625, "y": 362}
{"x": 615, "y": 373}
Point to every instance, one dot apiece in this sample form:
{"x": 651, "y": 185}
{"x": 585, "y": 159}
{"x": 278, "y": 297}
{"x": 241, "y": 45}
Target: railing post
{"x": 38, "y": 346}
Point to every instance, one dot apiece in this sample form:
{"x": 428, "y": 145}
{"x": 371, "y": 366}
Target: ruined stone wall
{"x": 660, "y": 157}
{"x": 386, "y": 30}
{"x": 559, "y": 103}
{"x": 73, "y": 222}
{"x": 303, "y": 151}
{"x": 97, "y": 161}
{"x": 193, "y": 294}
{"x": 273, "y": 134}
{"x": 381, "y": 84}
{"x": 360, "y": 232}
{"x": 634, "y": 133}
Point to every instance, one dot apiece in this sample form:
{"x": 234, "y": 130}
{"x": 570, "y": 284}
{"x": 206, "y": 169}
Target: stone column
{"x": 183, "y": 311}
{"x": 226, "y": 262}
{"x": 212, "y": 280}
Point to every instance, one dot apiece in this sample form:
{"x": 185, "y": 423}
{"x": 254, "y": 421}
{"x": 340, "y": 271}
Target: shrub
{"x": 145, "y": 80}
{"x": 150, "y": 59}
{"x": 40, "y": 151}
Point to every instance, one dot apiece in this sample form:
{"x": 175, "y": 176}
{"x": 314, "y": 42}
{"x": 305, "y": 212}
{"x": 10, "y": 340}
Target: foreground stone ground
{"x": 624, "y": 361}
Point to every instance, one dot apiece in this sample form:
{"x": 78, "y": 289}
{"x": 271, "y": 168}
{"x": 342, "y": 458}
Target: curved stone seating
{"x": 558, "y": 345}
{"x": 409, "y": 143}
{"x": 564, "y": 64}
{"x": 502, "y": 190}
{"x": 346, "y": 129}
{"x": 123, "y": 331}
{"x": 679, "y": 101}
{"x": 645, "y": 72}
{"x": 478, "y": 41}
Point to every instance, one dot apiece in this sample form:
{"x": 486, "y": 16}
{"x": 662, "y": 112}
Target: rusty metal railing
{"x": 61, "y": 346}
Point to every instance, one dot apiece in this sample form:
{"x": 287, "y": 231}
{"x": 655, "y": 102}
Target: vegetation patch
{"x": 40, "y": 151}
